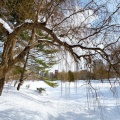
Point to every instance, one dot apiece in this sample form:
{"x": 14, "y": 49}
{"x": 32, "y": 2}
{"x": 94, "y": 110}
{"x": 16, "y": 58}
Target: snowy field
{"x": 80, "y": 101}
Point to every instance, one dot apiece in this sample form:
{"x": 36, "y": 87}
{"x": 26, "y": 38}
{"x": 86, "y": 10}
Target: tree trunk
{"x": 22, "y": 74}
{"x": 15, "y": 83}
{"x": 61, "y": 87}
{"x": 69, "y": 88}
{"x": 25, "y": 64}
{"x": 3, "y": 71}
{"x": 18, "y": 87}
{"x": 21, "y": 80}
{"x": 2, "y": 81}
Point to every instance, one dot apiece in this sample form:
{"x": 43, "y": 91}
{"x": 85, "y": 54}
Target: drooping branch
{"x": 55, "y": 38}
{"x": 41, "y": 26}
{"x": 66, "y": 45}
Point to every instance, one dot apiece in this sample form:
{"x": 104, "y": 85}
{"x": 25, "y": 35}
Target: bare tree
{"x": 84, "y": 29}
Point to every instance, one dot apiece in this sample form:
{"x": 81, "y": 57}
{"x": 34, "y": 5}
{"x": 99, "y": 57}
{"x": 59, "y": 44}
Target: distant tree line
{"x": 99, "y": 73}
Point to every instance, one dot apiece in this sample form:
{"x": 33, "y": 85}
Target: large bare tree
{"x": 86, "y": 29}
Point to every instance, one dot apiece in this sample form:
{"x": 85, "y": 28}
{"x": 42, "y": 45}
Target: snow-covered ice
{"x": 71, "y": 104}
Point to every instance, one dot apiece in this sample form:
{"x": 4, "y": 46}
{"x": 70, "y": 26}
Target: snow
{"x": 6, "y": 26}
{"x": 71, "y": 104}
{"x": 28, "y": 21}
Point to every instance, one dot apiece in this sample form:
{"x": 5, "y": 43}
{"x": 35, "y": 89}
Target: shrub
{"x": 41, "y": 90}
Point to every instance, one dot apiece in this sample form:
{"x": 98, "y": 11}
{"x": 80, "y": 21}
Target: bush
{"x": 41, "y": 90}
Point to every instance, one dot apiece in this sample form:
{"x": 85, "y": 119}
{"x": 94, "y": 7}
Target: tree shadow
{"x": 19, "y": 114}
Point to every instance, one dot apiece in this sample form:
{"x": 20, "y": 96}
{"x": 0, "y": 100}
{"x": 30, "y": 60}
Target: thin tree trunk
{"x": 76, "y": 86}
{"x": 69, "y": 88}
{"x": 15, "y": 83}
{"x": 18, "y": 87}
{"x": 22, "y": 74}
{"x": 25, "y": 64}
{"x": 61, "y": 87}
{"x": 2, "y": 81}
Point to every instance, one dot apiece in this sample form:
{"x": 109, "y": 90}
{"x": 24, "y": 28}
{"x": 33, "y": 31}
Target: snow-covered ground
{"x": 80, "y": 101}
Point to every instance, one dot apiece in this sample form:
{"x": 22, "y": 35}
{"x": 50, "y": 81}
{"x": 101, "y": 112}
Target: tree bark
{"x": 2, "y": 81}
{"x": 3, "y": 70}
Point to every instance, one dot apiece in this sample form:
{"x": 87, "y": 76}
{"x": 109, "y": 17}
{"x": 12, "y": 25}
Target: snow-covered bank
{"x": 70, "y": 104}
